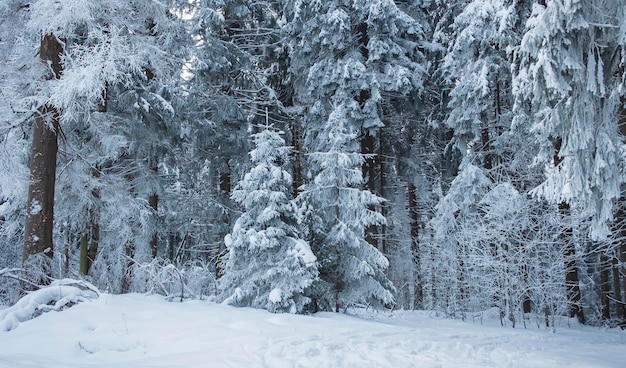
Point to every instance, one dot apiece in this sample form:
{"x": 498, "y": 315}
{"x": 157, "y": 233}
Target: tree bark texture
{"x": 297, "y": 160}
{"x": 43, "y": 160}
{"x": 415, "y": 251}
{"x": 605, "y": 287}
{"x": 153, "y": 201}
{"x": 94, "y": 218}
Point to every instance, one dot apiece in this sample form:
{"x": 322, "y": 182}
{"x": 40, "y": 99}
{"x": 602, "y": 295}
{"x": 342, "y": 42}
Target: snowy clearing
{"x": 147, "y": 331}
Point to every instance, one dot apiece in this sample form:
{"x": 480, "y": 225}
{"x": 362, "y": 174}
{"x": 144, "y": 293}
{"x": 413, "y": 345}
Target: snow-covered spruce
{"x": 574, "y": 107}
{"x": 352, "y": 271}
{"x": 268, "y": 265}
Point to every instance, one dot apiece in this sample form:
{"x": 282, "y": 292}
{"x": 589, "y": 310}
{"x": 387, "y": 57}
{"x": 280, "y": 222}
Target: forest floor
{"x": 137, "y": 331}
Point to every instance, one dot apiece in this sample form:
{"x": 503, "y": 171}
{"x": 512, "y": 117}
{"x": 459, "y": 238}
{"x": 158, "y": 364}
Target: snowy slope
{"x": 135, "y": 331}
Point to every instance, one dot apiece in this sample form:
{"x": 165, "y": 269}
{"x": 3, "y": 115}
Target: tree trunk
{"x": 488, "y": 159}
{"x": 571, "y": 269}
{"x": 622, "y": 205}
{"x": 127, "y": 277}
{"x": 94, "y": 218}
{"x": 40, "y": 206}
{"x": 617, "y": 288}
{"x": 415, "y": 251}
{"x": 618, "y": 258}
{"x": 605, "y": 287}
{"x": 569, "y": 252}
{"x": 384, "y": 244}
{"x": 368, "y": 139}
{"x": 297, "y": 161}
{"x": 172, "y": 246}
{"x": 153, "y": 202}
{"x": 225, "y": 185}
{"x": 619, "y": 251}
{"x": 368, "y": 144}
{"x": 526, "y": 302}
{"x": 129, "y": 249}
{"x": 84, "y": 242}
{"x": 622, "y": 251}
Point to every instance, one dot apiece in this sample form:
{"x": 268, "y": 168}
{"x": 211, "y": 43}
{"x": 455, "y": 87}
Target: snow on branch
{"x": 59, "y": 295}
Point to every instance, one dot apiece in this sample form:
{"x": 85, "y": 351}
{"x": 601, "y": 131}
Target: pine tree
{"x": 116, "y": 84}
{"x": 352, "y": 271}
{"x": 227, "y": 91}
{"x": 356, "y": 62}
{"x": 269, "y": 266}
{"x": 568, "y": 78}
{"x": 566, "y": 84}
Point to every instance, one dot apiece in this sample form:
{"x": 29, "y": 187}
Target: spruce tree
{"x": 568, "y": 85}
{"x": 352, "y": 271}
{"x": 269, "y": 266}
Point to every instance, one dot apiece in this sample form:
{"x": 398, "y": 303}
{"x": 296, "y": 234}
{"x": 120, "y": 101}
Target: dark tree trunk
{"x": 622, "y": 251}
{"x": 129, "y": 249}
{"x": 618, "y": 257}
{"x": 368, "y": 146}
{"x": 172, "y": 246}
{"x": 368, "y": 138}
{"x": 40, "y": 206}
{"x": 127, "y": 277}
{"x": 605, "y": 286}
{"x": 153, "y": 201}
{"x": 619, "y": 249}
{"x": 384, "y": 247}
{"x": 486, "y": 139}
{"x": 84, "y": 243}
{"x": 297, "y": 161}
{"x": 569, "y": 252}
{"x": 415, "y": 251}
{"x": 571, "y": 269}
{"x": 225, "y": 185}
{"x": 89, "y": 250}
{"x": 617, "y": 288}
{"x": 94, "y": 215}
{"x": 526, "y": 302}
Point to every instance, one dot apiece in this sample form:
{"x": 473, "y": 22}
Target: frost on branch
{"x": 59, "y": 295}
{"x": 61, "y": 17}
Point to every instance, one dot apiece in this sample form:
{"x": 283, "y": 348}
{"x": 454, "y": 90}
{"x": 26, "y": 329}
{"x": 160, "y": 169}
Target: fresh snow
{"x": 55, "y": 297}
{"x": 275, "y": 295}
{"x": 302, "y": 250}
{"x": 146, "y": 331}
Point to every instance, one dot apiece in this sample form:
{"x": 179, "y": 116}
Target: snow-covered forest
{"x": 311, "y": 156}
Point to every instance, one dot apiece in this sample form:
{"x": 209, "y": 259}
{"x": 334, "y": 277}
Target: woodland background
{"x": 301, "y": 155}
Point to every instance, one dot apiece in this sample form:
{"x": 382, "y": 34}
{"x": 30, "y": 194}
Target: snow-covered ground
{"x": 135, "y": 331}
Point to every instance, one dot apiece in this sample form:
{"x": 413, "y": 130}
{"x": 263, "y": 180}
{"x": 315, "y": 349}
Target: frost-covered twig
{"x": 11, "y": 273}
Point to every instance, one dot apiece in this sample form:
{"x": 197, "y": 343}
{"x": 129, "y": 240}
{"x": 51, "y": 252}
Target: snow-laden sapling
{"x": 268, "y": 265}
